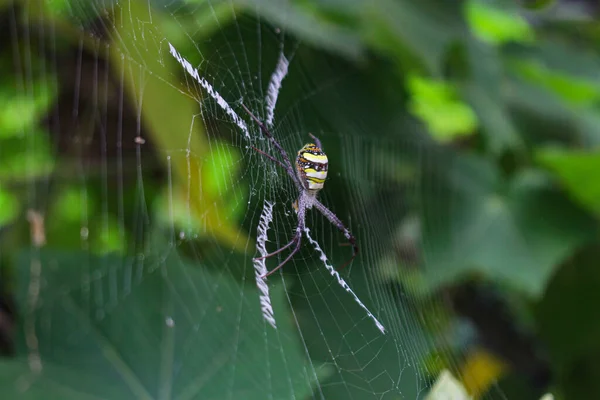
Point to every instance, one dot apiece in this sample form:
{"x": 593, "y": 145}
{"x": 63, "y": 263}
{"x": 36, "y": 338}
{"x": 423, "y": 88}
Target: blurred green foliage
{"x": 487, "y": 110}
{"x": 91, "y": 344}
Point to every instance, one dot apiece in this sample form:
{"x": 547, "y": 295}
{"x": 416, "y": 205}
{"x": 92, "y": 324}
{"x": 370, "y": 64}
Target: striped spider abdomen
{"x": 312, "y": 164}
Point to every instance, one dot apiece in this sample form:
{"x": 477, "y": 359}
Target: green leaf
{"x": 496, "y": 25}
{"x": 577, "y": 171}
{"x": 436, "y": 103}
{"x": 313, "y": 27}
{"x": 516, "y": 231}
{"x": 158, "y": 327}
{"x": 407, "y": 31}
{"x": 484, "y": 91}
{"x": 574, "y": 90}
{"x": 402, "y": 30}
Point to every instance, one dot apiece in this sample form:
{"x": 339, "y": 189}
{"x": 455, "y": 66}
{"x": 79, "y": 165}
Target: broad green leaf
{"x": 159, "y": 327}
{"x": 556, "y": 89}
{"x": 578, "y": 172}
{"x": 544, "y": 116}
{"x": 516, "y": 231}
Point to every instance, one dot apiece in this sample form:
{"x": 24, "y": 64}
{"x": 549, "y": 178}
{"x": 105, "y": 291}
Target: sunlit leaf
{"x": 438, "y": 106}
{"x": 496, "y": 25}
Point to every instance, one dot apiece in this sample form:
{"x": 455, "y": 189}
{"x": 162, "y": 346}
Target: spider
{"x": 309, "y": 177}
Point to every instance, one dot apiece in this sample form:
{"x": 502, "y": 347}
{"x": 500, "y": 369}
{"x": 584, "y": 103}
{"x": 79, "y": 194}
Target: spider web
{"x": 184, "y": 204}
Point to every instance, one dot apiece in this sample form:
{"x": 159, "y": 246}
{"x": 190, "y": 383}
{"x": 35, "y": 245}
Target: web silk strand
{"x": 341, "y": 281}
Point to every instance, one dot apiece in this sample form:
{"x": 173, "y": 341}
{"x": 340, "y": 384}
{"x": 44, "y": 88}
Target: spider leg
{"x": 336, "y": 221}
{"x": 294, "y": 239}
{"x": 298, "y": 239}
{"x": 352, "y": 241}
{"x": 271, "y": 158}
{"x": 264, "y": 129}
{"x": 317, "y": 141}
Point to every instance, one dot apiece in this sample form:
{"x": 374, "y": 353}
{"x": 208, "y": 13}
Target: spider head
{"x": 312, "y": 165}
